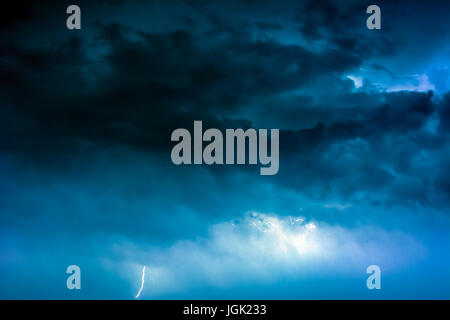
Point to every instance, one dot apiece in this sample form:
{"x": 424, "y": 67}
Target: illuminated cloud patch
{"x": 265, "y": 248}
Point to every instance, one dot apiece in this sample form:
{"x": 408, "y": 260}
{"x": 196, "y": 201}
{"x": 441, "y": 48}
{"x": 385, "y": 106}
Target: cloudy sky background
{"x": 86, "y": 176}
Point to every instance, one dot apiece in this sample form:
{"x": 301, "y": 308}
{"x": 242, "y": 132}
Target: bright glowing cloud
{"x": 264, "y": 247}
{"x": 357, "y": 81}
{"x": 420, "y": 83}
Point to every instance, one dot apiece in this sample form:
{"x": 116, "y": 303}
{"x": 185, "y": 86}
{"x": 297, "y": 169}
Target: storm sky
{"x": 86, "y": 176}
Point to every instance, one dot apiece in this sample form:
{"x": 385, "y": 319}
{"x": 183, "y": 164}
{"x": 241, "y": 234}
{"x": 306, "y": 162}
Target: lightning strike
{"x": 142, "y": 283}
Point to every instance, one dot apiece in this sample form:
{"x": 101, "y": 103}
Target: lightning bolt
{"x": 142, "y": 283}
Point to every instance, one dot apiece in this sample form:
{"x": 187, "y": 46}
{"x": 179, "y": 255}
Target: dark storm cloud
{"x": 146, "y": 87}
{"x": 124, "y": 85}
{"x": 85, "y": 170}
{"x": 377, "y": 153}
{"x": 343, "y": 25}
{"x": 445, "y": 113}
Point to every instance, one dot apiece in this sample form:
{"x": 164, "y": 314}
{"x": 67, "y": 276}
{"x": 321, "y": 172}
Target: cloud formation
{"x": 85, "y": 124}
